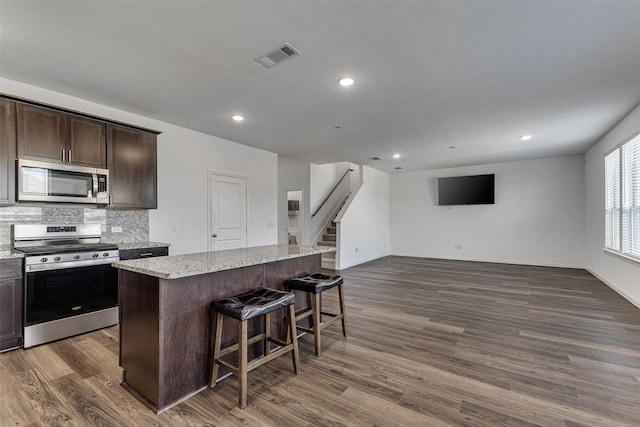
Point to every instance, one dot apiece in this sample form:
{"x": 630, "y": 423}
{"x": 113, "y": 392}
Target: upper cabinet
{"x": 7, "y": 151}
{"x": 55, "y": 136}
{"x": 131, "y": 159}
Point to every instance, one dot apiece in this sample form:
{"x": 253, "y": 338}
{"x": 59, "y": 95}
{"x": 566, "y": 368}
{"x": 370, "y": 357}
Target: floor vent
{"x": 278, "y": 56}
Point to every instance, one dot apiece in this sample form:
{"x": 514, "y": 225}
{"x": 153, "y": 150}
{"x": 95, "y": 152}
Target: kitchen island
{"x": 165, "y": 302}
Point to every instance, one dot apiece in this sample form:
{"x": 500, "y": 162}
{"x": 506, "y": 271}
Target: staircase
{"x": 329, "y": 239}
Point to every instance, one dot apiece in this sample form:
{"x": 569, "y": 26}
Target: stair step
{"x": 323, "y": 243}
{"x": 328, "y": 255}
{"x": 329, "y": 237}
{"x": 332, "y": 230}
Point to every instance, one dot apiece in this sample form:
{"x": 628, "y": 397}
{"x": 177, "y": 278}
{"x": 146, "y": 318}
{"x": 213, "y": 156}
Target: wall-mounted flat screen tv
{"x": 466, "y": 190}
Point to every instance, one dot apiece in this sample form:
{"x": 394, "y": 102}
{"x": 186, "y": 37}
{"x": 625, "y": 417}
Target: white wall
{"x": 184, "y": 157}
{"x": 364, "y": 228}
{"x": 621, "y": 274}
{"x": 538, "y": 217}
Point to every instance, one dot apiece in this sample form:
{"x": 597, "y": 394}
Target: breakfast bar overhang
{"x": 164, "y": 309}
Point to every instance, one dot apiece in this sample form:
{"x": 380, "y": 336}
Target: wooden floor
{"x": 431, "y": 343}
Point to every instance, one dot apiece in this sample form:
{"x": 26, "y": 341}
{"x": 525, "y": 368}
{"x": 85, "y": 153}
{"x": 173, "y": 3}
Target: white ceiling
{"x": 430, "y": 74}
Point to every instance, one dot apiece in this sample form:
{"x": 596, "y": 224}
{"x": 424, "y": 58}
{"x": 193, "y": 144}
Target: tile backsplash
{"x": 134, "y": 222}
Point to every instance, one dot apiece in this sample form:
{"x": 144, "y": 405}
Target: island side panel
{"x": 185, "y": 327}
{"x": 139, "y": 314}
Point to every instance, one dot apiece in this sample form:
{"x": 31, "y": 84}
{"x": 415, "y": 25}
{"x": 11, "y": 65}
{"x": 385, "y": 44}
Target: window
{"x": 622, "y": 199}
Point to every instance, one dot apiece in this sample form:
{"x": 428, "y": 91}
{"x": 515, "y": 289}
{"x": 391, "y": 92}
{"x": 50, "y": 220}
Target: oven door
{"x": 66, "y": 292}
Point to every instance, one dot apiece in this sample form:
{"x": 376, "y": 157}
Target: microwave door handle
{"x": 95, "y": 182}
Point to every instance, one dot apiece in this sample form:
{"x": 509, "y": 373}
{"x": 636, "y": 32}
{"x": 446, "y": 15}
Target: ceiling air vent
{"x": 278, "y": 56}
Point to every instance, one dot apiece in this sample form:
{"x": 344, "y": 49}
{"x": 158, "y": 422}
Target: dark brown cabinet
{"x": 7, "y": 152}
{"x": 10, "y": 304}
{"x": 54, "y": 136}
{"x": 131, "y": 159}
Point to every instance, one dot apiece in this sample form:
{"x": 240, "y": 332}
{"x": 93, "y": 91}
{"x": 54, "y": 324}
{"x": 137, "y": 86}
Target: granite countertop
{"x": 10, "y": 254}
{"x": 178, "y": 266}
{"x": 140, "y": 245}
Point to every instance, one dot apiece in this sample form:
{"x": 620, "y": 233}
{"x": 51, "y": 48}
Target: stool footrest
{"x": 264, "y": 359}
{"x": 236, "y": 346}
{"x": 305, "y": 329}
{"x": 228, "y": 366}
{"x": 304, "y": 314}
{"x": 278, "y": 341}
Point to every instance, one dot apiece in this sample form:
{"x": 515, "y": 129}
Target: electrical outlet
{"x": 357, "y": 249}
{"x": 174, "y": 228}
{"x": 457, "y": 247}
{"x": 116, "y": 229}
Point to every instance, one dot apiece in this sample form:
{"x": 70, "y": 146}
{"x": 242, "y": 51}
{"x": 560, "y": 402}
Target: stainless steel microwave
{"x": 54, "y": 182}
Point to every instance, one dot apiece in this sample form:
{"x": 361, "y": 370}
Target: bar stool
{"x": 261, "y": 302}
{"x": 316, "y": 284}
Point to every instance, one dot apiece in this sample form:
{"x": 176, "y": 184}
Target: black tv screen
{"x": 466, "y": 190}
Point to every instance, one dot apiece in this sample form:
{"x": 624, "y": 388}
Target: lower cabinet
{"x": 10, "y": 304}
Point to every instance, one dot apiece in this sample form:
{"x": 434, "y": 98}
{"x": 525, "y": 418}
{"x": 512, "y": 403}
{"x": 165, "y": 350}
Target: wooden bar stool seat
{"x": 261, "y": 302}
{"x": 316, "y": 284}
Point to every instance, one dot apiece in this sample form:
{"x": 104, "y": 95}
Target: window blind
{"x": 622, "y": 199}
{"x": 631, "y": 197}
{"x": 612, "y": 200}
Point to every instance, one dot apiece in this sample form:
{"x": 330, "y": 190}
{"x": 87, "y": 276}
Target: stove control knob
{"x": 44, "y": 259}
{"x": 105, "y": 254}
{"x": 96, "y": 255}
{"x": 76, "y": 257}
{"x": 56, "y": 258}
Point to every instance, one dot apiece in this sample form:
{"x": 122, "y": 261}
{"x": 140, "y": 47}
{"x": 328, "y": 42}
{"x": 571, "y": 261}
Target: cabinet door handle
{"x": 63, "y": 155}
{"x": 146, "y": 254}
{"x": 69, "y": 156}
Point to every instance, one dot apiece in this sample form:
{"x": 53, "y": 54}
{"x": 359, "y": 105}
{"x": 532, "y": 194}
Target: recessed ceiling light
{"x": 337, "y": 127}
{"x": 396, "y": 156}
{"x": 237, "y": 117}
{"x": 376, "y": 158}
{"x": 525, "y": 137}
{"x": 346, "y": 81}
{"x": 453, "y": 147}
{"x": 398, "y": 168}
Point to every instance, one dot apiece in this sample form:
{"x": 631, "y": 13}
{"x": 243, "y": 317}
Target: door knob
{"x": 214, "y": 236}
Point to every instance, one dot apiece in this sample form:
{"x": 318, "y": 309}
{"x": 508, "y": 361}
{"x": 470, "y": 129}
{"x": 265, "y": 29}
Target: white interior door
{"x": 227, "y": 212}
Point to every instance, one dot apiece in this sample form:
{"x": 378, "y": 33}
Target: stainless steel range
{"x": 70, "y": 286}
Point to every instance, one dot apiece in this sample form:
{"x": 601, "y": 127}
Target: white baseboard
{"x": 622, "y": 293}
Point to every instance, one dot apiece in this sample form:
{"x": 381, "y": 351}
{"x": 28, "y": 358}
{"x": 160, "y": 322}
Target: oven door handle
{"x": 69, "y": 264}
